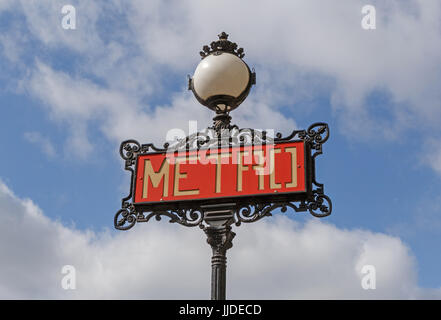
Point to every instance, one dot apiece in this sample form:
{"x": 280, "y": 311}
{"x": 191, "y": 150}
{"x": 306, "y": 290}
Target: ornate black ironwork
{"x": 222, "y": 45}
{"x": 221, "y": 122}
{"x": 254, "y": 212}
{"x": 246, "y": 209}
{"x": 126, "y": 218}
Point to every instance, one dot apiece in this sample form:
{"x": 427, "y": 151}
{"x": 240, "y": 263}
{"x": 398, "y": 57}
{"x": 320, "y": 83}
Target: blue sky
{"x": 68, "y": 97}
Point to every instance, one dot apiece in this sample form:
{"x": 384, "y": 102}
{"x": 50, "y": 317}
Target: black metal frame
{"x": 245, "y": 208}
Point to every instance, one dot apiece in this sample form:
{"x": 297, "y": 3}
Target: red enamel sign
{"x": 218, "y": 173}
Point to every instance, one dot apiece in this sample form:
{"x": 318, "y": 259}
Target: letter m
{"x": 155, "y": 177}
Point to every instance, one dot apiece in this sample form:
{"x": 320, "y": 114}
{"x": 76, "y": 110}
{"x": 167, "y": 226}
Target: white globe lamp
{"x": 222, "y": 80}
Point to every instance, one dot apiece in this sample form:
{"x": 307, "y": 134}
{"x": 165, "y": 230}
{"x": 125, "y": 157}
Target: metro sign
{"x": 221, "y": 173}
{"x": 249, "y": 175}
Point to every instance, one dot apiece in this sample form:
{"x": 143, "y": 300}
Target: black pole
{"x": 220, "y": 238}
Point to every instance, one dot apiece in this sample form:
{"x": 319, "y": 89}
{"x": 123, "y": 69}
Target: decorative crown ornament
{"x": 222, "y": 45}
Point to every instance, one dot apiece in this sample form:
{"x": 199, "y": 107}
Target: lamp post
{"x": 280, "y": 173}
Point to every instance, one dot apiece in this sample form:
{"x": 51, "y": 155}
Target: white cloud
{"x": 324, "y": 39}
{"x": 43, "y": 142}
{"x": 10, "y": 46}
{"x": 43, "y": 19}
{"x": 5, "y": 4}
{"x": 272, "y": 259}
{"x": 79, "y": 103}
{"x": 300, "y": 50}
{"x": 433, "y": 155}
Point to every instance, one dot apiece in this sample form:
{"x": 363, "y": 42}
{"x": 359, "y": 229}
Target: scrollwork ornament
{"x": 254, "y": 212}
{"x": 321, "y": 206}
{"x": 319, "y": 132}
{"x": 222, "y": 45}
{"x": 125, "y": 219}
{"x": 129, "y": 150}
